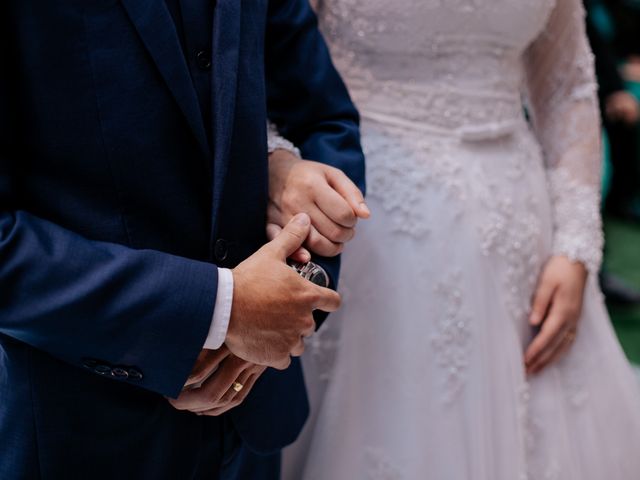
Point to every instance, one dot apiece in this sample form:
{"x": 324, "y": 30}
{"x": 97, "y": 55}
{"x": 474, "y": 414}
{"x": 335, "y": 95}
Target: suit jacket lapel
{"x": 158, "y": 33}
{"x": 226, "y": 44}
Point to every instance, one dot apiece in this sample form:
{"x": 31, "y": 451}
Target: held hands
{"x": 557, "y": 306}
{"x": 272, "y": 312}
{"x": 325, "y": 193}
{"x": 273, "y": 306}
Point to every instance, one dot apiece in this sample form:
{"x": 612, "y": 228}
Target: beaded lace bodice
{"x": 463, "y": 69}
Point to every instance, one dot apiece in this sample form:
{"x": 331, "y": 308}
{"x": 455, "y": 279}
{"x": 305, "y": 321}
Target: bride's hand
{"x": 556, "y": 309}
{"x": 325, "y": 193}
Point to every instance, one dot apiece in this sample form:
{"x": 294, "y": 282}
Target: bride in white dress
{"x": 422, "y": 374}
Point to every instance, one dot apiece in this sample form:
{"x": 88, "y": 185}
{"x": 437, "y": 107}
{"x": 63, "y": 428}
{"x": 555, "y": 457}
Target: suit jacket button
{"x": 120, "y": 372}
{"x": 221, "y": 250}
{"x": 134, "y": 374}
{"x": 203, "y": 60}
{"x": 101, "y": 369}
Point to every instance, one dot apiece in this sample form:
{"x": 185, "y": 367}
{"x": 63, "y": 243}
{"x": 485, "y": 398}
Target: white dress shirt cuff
{"x": 222, "y": 311}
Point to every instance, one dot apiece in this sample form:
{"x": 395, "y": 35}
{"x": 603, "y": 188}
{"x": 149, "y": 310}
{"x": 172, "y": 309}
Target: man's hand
{"x": 273, "y": 306}
{"x": 622, "y": 107}
{"x": 325, "y": 193}
{"x": 557, "y": 306}
{"x": 209, "y": 389}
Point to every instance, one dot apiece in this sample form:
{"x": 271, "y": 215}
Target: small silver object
{"x": 312, "y": 272}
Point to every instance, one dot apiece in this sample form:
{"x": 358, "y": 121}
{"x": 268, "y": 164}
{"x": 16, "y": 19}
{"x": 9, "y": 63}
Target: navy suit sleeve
{"x": 307, "y": 98}
{"x": 79, "y": 299}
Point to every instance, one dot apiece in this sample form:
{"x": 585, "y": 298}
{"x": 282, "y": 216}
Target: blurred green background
{"x": 623, "y": 258}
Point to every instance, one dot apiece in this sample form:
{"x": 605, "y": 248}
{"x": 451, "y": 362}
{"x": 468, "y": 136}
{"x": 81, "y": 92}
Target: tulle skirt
{"x": 421, "y": 374}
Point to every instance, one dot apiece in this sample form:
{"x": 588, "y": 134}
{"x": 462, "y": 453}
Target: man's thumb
{"x": 292, "y": 236}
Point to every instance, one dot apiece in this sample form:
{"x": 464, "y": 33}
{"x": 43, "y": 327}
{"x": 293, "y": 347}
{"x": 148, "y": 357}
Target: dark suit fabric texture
{"x": 132, "y": 165}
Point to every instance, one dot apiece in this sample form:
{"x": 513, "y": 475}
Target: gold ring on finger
{"x": 570, "y": 337}
{"x": 237, "y": 386}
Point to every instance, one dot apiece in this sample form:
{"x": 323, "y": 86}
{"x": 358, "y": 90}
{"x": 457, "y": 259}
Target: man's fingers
{"x": 213, "y": 389}
{"x": 237, "y": 399}
{"x": 250, "y": 382}
{"x": 541, "y": 303}
{"x": 310, "y": 330}
{"x": 292, "y": 236}
{"x": 231, "y": 393}
{"x": 301, "y": 255}
{"x": 282, "y": 364}
{"x": 273, "y": 231}
{"x": 328, "y": 300}
{"x": 207, "y": 362}
{"x": 298, "y": 350}
{"x": 229, "y": 371}
{"x": 232, "y": 396}
{"x": 349, "y": 191}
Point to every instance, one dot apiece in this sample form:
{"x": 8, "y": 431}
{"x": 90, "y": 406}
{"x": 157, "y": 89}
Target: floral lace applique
{"x": 399, "y": 177}
{"x": 275, "y": 141}
{"x": 577, "y": 220}
{"x": 512, "y": 231}
{"x": 452, "y": 337}
{"x": 514, "y": 238}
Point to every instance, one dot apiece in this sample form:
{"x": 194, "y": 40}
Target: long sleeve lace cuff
{"x": 577, "y": 220}
{"x": 275, "y": 141}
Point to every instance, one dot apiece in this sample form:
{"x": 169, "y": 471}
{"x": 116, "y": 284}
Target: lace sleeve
{"x": 563, "y": 105}
{"x": 275, "y": 141}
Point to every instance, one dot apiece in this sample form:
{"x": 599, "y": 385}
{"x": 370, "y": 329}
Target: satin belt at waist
{"x": 470, "y": 115}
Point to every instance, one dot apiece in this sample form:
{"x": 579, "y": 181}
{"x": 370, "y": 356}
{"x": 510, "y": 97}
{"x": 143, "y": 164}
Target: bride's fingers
{"x": 349, "y": 191}
{"x": 328, "y": 228}
{"x": 335, "y": 206}
{"x": 548, "y": 355}
{"x": 275, "y": 216}
{"x": 320, "y": 245}
{"x": 541, "y": 302}
{"x": 551, "y": 327}
{"x": 559, "y": 352}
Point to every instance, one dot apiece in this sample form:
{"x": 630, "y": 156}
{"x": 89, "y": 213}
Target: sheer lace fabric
{"x": 449, "y": 73}
{"x": 420, "y": 374}
{"x": 275, "y": 141}
{"x": 562, "y": 99}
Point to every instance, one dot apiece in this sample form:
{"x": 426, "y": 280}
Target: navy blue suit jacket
{"x": 115, "y": 210}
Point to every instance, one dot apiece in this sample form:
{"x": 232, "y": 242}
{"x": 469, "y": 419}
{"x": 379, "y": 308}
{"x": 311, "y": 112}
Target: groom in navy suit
{"x": 138, "y": 301}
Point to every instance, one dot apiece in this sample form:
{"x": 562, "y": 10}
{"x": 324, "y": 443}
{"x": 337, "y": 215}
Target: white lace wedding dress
{"x": 420, "y": 376}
